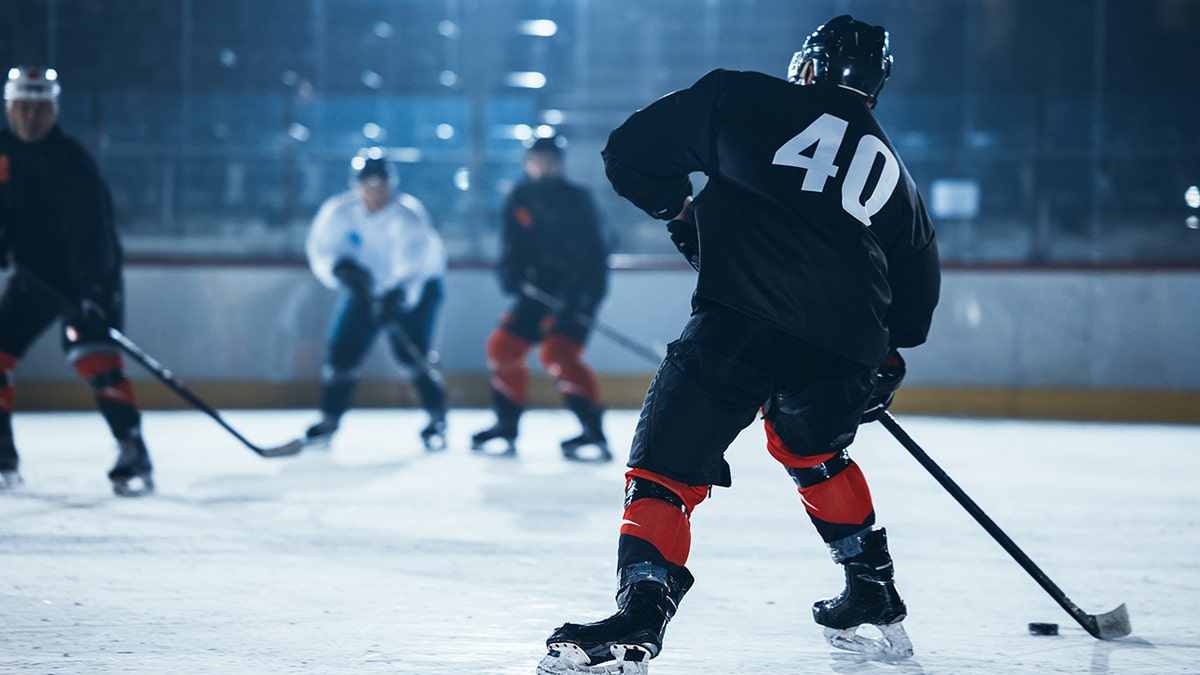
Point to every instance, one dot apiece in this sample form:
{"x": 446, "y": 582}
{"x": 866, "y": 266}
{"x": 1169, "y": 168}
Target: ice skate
{"x": 131, "y": 476}
{"x": 9, "y": 476}
{"x": 10, "y": 479}
{"x": 869, "y": 599}
{"x": 572, "y": 446}
{"x": 320, "y": 435}
{"x": 592, "y": 442}
{"x": 481, "y": 441}
{"x": 433, "y": 436}
{"x": 624, "y": 643}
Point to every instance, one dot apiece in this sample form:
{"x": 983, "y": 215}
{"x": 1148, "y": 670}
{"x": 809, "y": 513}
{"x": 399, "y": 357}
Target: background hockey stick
{"x": 652, "y": 355}
{"x": 168, "y": 378}
{"x": 1106, "y": 626}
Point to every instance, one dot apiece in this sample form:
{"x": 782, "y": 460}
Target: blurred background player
{"x": 552, "y": 247}
{"x": 379, "y": 247}
{"x": 56, "y": 228}
{"x": 816, "y": 262}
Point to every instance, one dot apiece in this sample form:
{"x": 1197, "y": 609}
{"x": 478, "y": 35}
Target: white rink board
{"x": 376, "y": 557}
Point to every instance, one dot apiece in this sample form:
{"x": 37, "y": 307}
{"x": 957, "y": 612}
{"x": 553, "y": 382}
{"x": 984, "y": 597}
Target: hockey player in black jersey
{"x": 816, "y": 263}
{"x": 552, "y": 245}
{"x": 56, "y": 228}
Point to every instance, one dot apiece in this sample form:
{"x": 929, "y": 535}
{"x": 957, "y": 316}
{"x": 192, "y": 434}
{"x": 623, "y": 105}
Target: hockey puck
{"x": 1043, "y": 629}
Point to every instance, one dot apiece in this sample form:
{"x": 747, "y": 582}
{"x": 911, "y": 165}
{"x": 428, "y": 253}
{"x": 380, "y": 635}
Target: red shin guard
{"x": 664, "y": 525}
{"x": 506, "y": 359}
{"x": 562, "y": 357}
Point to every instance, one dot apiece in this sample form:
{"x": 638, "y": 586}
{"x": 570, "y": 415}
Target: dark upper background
{"x": 1041, "y": 132}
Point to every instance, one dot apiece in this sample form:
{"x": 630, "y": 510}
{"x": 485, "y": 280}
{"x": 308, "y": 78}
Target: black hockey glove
{"x": 388, "y": 308}
{"x": 514, "y": 278}
{"x": 687, "y": 240}
{"x": 887, "y": 381}
{"x": 87, "y": 319}
{"x": 353, "y": 276}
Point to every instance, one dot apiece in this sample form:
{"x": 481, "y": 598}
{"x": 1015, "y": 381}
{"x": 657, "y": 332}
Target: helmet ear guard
{"x": 847, "y": 53}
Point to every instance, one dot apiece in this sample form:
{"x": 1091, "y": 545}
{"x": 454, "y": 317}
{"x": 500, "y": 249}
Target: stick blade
{"x": 1109, "y": 625}
{"x": 286, "y": 450}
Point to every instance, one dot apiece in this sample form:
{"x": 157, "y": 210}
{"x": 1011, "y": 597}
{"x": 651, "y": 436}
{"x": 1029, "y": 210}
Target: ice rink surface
{"x": 378, "y": 557}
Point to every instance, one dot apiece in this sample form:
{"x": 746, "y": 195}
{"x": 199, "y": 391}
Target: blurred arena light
{"x": 525, "y": 79}
{"x": 537, "y": 27}
{"x": 372, "y": 79}
{"x": 1192, "y": 197}
{"x": 373, "y": 131}
{"x": 299, "y": 132}
{"x": 382, "y": 30}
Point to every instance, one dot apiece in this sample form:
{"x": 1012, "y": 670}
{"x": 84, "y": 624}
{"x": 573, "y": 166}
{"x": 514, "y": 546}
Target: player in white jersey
{"x": 379, "y": 248}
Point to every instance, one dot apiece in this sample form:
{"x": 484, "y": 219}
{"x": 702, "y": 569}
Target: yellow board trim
{"x": 470, "y": 390}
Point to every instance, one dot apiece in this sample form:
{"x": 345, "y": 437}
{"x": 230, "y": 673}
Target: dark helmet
{"x": 373, "y": 163}
{"x": 845, "y": 52}
{"x": 550, "y": 146}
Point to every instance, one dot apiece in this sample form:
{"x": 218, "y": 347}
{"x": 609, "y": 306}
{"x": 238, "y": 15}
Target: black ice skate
{"x": 624, "y": 643}
{"x": 572, "y": 446}
{"x": 9, "y": 476}
{"x": 320, "y": 435}
{"x": 10, "y": 479}
{"x": 131, "y": 475}
{"x": 592, "y": 442}
{"x": 434, "y": 434}
{"x": 508, "y": 414}
{"x": 479, "y": 441}
{"x": 870, "y": 598}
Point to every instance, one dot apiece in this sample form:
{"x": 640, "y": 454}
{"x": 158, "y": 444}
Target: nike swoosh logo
{"x": 626, "y": 521}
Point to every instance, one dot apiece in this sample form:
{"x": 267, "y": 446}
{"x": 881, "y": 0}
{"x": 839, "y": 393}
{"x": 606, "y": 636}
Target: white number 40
{"x": 827, "y": 133}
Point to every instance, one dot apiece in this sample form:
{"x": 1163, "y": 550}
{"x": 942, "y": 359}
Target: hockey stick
{"x": 651, "y": 355}
{"x": 1107, "y": 626}
{"x": 168, "y": 378}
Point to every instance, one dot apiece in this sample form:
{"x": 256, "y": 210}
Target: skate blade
{"x": 566, "y": 657}
{"x": 434, "y": 443}
{"x": 599, "y": 456}
{"x": 10, "y": 480}
{"x": 510, "y": 449}
{"x": 136, "y": 486}
{"x": 892, "y": 643}
{"x": 318, "y": 443}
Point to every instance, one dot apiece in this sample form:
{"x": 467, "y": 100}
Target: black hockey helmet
{"x": 851, "y": 54}
{"x": 373, "y": 163}
{"x": 549, "y": 145}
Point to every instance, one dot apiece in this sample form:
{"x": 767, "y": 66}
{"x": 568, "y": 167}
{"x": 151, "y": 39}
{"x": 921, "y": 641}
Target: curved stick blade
{"x": 1109, "y": 625}
{"x": 286, "y": 450}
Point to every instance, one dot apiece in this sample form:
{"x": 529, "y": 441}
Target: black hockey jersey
{"x": 552, "y": 238}
{"x": 56, "y": 216}
{"x": 809, "y": 220}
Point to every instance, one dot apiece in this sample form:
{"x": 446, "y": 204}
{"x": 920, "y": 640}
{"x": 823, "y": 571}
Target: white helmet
{"x": 32, "y": 83}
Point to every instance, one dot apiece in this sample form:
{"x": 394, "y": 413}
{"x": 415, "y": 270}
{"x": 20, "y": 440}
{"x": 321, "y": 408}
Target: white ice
{"x": 378, "y": 557}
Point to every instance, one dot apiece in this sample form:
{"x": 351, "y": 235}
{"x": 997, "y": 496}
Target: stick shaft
{"x": 988, "y": 524}
{"x": 651, "y": 355}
